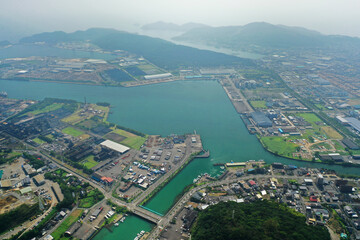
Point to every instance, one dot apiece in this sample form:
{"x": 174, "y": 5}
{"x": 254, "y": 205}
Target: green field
{"x": 322, "y": 144}
{"x": 320, "y": 106}
{"x": 73, "y": 217}
{"x": 279, "y": 146}
{"x": 38, "y": 141}
{"x": 258, "y": 104}
{"x": 338, "y": 146}
{"x": 46, "y": 109}
{"x": 72, "y": 132}
{"x": 89, "y": 162}
{"x": 310, "y": 117}
{"x": 149, "y": 69}
{"x": 134, "y": 142}
{"x": 87, "y": 124}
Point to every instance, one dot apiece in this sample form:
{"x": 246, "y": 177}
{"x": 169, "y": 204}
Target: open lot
{"x": 258, "y": 104}
{"x": 72, "y": 132}
{"x": 129, "y": 139}
{"x": 279, "y": 145}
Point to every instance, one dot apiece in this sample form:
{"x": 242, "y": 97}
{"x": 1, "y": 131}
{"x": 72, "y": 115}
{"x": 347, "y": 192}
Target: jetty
{"x": 203, "y": 154}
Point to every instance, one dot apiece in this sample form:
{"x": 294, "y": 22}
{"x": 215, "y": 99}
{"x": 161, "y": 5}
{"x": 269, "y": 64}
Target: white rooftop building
{"x": 115, "y": 146}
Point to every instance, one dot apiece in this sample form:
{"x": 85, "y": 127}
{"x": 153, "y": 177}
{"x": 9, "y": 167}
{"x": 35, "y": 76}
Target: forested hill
{"x": 262, "y": 220}
{"x": 162, "y": 53}
{"x": 266, "y": 36}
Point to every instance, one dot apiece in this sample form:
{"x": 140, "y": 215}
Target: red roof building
{"x": 252, "y": 182}
{"x": 313, "y": 199}
{"x": 107, "y": 180}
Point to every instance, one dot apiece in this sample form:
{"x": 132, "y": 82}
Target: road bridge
{"x": 147, "y": 215}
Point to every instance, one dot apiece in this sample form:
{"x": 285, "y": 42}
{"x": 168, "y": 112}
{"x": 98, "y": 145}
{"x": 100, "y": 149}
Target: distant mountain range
{"x": 165, "y": 26}
{"x": 261, "y": 35}
{"x": 162, "y": 53}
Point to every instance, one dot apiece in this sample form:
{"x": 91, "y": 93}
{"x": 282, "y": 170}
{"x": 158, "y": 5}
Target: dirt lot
{"x": 6, "y": 202}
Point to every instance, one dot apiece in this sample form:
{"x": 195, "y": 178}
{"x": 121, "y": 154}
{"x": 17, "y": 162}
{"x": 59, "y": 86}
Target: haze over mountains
{"x": 165, "y": 26}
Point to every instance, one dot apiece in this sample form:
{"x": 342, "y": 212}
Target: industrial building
{"x": 115, "y": 146}
{"x": 217, "y": 71}
{"x": 261, "y": 120}
{"x": 39, "y": 180}
{"x": 157, "y": 76}
{"x": 354, "y": 123}
{"x": 350, "y": 144}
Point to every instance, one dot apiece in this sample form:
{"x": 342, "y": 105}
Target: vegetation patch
{"x": 253, "y": 221}
{"x": 332, "y": 133}
{"x": 279, "y": 146}
{"x": 72, "y": 218}
{"x": 17, "y": 216}
{"x": 38, "y": 141}
{"x": 131, "y": 140}
{"x": 92, "y": 197}
{"x": 134, "y": 142}
{"x": 46, "y": 109}
{"x": 72, "y": 131}
{"x": 89, "y": 162}
{"x": 310, "y": 117}
{"x": 258, "y": 104}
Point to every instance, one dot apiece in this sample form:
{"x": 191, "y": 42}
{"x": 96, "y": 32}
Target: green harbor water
{"x": 126, "y": 230}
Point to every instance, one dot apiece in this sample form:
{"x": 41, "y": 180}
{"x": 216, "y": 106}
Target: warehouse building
{"x": 115, "y": 146}
{"x": 354, "y": 123}
{"x": 157, "y": 76}
{"x": 39, "y": 180}
{"x": 261, "y": 120}
{"x": 350, "y": 144}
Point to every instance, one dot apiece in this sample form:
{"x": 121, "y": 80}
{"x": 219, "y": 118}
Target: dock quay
{"x": 218, "y": 164}
{"x": 203, "y": 154}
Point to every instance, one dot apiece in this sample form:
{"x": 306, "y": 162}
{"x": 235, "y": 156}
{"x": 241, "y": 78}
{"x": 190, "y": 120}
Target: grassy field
{"x": 38, "y": 141}
{"x": 131, "y": 140}
{"x": 322, "y": 144}
{"x": 134, "y": 142}
{"x": 73, "y": 118}
{"x": 258, "y": 104}
{"x": 46, "y": 109}
{"x": 332, "y": 133}
{"x": 338, "y": 146}
{"x": 320, "y": 106}
{"x": 87, "y": 124}
{"x": 277, "y": 145}
{"x": 310, "y": 117}
{"x": 72, "y": 131}
{"x": 89, "y": 162}
{"x": 73, "y": 217}
{"x": 77, "y": 117}
{"x": 149, "y": 69}
{"x": 124, "y": 133}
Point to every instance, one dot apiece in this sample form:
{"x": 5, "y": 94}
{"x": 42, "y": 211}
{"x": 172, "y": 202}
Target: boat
{"x": 116, "y": 224}
{"x": 3, "y": 94}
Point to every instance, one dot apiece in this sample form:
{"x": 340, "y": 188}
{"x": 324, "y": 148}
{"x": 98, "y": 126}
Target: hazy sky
{"x": 326, "y": 16}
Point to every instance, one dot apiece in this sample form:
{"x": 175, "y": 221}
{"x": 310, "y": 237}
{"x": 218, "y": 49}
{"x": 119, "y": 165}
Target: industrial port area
{"x": 88, "y": 174}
